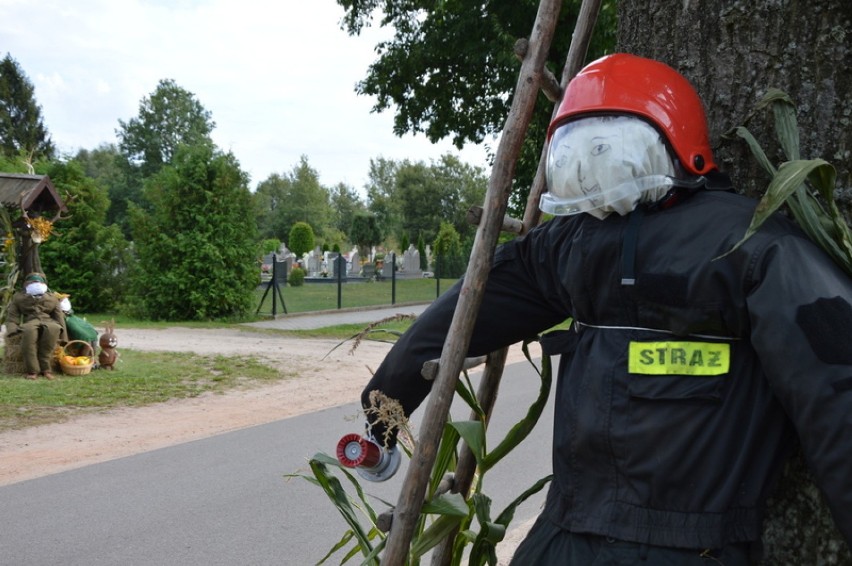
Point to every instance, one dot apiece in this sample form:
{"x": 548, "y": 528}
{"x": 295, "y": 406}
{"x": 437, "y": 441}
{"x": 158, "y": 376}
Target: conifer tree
{"x": 22, "y": 130}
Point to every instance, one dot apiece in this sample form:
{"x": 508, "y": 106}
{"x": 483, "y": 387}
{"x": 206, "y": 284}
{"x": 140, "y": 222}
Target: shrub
{"x": 269, "y": 246}
{"x": 296, "y": 277}
{"x": 449, "y": 261}
{"x": 301, "y": 238}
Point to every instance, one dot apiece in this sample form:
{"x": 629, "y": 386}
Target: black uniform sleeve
{"x": 800, "y": 310}
{"x": 515, "y": 306}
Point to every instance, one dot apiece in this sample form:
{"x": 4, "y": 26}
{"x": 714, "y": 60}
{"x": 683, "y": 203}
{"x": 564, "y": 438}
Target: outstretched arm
{"x": 513, "y": 308}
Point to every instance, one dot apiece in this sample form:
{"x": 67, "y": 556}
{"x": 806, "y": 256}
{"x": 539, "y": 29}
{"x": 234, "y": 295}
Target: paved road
{"x": 306, "y": 321}
{"x": 224, "y": 501}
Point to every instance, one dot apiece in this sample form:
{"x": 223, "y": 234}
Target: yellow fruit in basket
{"x": 83, "y": 360}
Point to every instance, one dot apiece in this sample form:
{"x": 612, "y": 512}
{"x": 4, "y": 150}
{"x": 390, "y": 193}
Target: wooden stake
{"x": 586, "y": 20}
{"x": 456, "y": 344}
{"x": 466, "y": 467}
{"x": 487, "y": 394}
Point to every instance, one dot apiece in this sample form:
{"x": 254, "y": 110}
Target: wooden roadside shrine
{"x": 533, "y": 76}
{"x": 36, "y": 198}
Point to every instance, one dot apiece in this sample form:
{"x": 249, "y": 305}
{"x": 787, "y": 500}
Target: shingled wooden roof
{"x": 30, "y": 192}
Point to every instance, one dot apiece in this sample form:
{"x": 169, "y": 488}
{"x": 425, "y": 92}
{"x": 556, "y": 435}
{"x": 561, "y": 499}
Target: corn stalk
{"x": 795, "y": 183}
{"x": 442, "y": 513}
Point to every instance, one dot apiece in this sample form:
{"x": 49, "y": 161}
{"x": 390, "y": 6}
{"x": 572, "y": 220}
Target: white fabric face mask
{"x": 65, "y": 305}
{"x": 605, "y": 164}
{"x": 36, "y": 289}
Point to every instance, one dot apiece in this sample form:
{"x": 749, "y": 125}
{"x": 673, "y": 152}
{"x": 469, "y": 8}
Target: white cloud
{"x": 278, "y": 77}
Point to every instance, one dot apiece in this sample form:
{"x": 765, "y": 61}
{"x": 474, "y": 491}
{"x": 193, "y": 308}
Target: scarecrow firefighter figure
{"x": 691, "y": 371}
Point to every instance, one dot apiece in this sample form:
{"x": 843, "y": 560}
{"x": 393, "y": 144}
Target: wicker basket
{"x": 78, "y": 351}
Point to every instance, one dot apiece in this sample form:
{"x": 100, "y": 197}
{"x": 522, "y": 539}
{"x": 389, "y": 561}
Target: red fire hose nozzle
{"x": 371, "y": 461}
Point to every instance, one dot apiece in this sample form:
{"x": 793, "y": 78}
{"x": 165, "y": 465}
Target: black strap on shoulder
{"x": 682, "y": 190}
{"x": 628, "y": 246}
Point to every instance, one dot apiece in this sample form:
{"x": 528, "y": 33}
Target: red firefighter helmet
{"x": 627, "y": 84}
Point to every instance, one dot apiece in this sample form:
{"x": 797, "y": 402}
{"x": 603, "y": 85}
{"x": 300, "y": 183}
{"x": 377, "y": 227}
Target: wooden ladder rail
{"x": 491, "y": 220}
{"x": 491, "y": 377}
{"x": 486, "y": 395}
{"x": 407, "y": 510}
{"x": 585, "y": 25}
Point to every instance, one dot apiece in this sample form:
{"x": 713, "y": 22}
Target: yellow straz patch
{"x": 679, "y": 358}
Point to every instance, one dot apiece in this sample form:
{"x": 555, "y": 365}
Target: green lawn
{"x": 324, "y": 296}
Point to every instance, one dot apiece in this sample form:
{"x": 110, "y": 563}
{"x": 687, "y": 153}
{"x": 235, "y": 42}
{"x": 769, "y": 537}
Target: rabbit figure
{"x": 108, "y": 355}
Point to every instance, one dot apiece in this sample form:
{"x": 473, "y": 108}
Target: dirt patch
{"x": 326, "y": 377}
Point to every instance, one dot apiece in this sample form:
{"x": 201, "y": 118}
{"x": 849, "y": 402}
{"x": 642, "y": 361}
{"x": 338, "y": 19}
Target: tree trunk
{"x": 733, "y": 51}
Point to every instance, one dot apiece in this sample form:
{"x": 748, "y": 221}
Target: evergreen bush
{"x": 296, "y": 277}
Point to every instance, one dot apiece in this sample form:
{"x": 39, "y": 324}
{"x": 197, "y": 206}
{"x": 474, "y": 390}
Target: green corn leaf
{"x": 508, "y": 513}
{"x": 347, "y": 536}
{"x": 473, "y": 433}
{"x": 373, "y": 557}
{"x": 787, "y": 181}
{"x": 452, "y": 511}
{"x": 441, "y": 527}
{"x": 823, "y": 180}
{"x": 465, "y": 390}
{"x": 353, "y": 552}
{"x": 756, "y": 149}
{"x": 447, "y": 504}
{"x": 490, "y": 532}
{"x": 828, "y": 229}
{"x": 813, "y": 220}
{"x": 335, "y": 492}
{"x": 445, "y": 459}
{"x": 772, "y": 96}
{"x": 524, "y": 427}
{"x": 786, "y": 125}
{"x": 481, "y": 507}
{"x": 327, "y": 460}
{"x": 790, "y": 181}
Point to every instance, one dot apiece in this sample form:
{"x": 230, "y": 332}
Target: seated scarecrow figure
{"x": 35, "y": 315}
{"x": 78, "y": 328}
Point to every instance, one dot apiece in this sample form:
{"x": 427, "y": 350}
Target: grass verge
{"x": 144, "y": 378}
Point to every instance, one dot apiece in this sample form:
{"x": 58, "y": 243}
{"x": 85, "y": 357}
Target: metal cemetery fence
{"x": 338, "y": 290}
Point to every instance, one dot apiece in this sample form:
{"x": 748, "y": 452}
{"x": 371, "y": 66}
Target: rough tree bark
{"x": 733, "y": 51}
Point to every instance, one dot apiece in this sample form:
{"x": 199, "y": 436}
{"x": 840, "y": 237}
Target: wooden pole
{"x": 586, "y": 20}
{"x": 487, "y": 393}
{"x": 456, "y": 344}
{"x": 466, "y": 467}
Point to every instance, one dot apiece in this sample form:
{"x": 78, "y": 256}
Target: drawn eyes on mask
{"x": 600, "y": 148}
{"x": 566, "y": 154}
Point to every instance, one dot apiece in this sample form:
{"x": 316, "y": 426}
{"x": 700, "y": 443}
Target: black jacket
{"x": 687, "y": 375}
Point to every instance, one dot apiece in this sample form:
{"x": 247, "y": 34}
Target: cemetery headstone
{"x": 411, "y": 260}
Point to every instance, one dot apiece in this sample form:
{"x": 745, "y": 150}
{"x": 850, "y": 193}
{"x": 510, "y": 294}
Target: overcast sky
{"x": 278, "y": 77}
